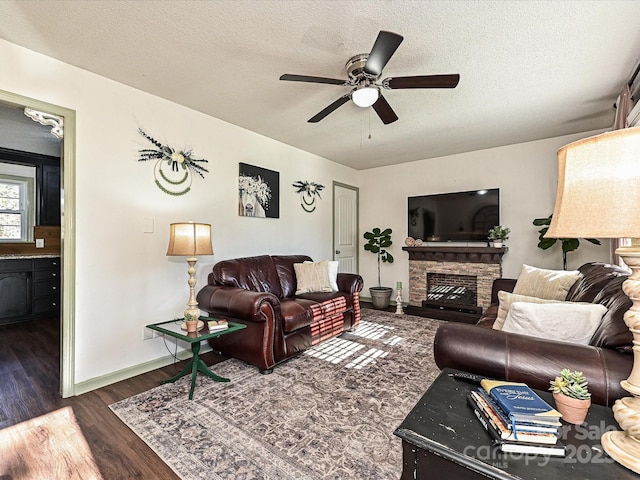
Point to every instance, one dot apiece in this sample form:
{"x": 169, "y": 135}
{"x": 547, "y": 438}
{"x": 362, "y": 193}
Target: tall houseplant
{"x": 377, "y": 242}
{"x": 568, "y": 244}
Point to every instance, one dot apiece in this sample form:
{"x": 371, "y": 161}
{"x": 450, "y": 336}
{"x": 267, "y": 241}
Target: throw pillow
{"x": 506, "y": 299}
{"x": 333, "y": 274}
{"x": 566, "y": 321}
{"x": 541, "y": 283}
{"x": 312, "y": 277}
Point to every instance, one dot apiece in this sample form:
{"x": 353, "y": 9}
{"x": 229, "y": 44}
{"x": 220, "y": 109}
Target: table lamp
{"x": 599, "y": 197}
{"x": 190, "y": 239}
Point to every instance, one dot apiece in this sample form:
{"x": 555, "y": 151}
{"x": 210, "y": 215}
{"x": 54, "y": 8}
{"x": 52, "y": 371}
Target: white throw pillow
{"x": 312, "y": 277}
{"x": 333, "y": 274}
{"x": 548, "y": 284}
{"x": 507, "y": 299}
{"x": 567, "y": 321}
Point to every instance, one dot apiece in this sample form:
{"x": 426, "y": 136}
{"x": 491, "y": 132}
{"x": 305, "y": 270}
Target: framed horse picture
{"x": 258, "y": 192}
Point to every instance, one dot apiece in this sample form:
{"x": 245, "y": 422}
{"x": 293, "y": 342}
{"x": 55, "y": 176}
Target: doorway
{"x": 345, "y": 227}
{"x": 67, "y": 219}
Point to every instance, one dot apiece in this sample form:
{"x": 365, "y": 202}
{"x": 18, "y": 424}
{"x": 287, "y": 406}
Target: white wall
{"x": 526, "y": 175}
{"x": 124, "y": 280}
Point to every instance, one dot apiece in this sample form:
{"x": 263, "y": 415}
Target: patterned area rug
{"x": 329, "y": 413}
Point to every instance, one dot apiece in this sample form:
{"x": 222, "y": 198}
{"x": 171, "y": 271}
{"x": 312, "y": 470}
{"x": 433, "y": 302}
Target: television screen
{"x": 454, "y": 217}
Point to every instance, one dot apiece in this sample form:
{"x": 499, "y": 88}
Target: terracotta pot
{"x": 192, "y": 325}
{"x": 572, "y": 410}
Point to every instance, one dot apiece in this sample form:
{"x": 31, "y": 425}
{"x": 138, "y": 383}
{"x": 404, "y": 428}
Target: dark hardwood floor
{"x": 29, "y": 387}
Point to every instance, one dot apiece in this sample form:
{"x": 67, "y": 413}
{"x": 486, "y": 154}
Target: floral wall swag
{"x": 177, "y": 179}
{"x": 308, "y": 192}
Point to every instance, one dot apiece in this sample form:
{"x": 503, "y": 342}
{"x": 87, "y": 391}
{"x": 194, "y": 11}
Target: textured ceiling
{"x": 529, "y": 69}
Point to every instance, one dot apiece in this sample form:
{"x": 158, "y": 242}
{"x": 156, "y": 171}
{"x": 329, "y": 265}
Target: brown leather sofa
{"x": 605, "y": 361}
{"x": 260, "y": 293}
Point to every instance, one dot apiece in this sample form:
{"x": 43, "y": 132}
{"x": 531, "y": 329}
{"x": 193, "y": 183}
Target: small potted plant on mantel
{"x": 498, "y": 235}
{"x": 377, "y": 242}
{"x": 571, "y": 395}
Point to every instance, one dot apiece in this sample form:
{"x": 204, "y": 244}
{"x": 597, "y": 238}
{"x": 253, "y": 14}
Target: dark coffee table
{"x": 442, "y": 438}
{"x": 173, "y": 328}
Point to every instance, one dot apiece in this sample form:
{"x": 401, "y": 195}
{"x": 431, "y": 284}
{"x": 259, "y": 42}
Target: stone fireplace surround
{"x": 485, "y": 263}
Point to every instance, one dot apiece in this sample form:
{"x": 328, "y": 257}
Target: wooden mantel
{"x": 456, "y": 254}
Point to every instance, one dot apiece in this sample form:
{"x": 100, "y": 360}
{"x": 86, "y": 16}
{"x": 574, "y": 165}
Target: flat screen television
{"x": 454, "y": 217}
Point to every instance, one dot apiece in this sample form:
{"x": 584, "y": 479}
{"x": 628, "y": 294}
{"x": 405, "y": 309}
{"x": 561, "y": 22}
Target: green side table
{"x": 195, "y": 365}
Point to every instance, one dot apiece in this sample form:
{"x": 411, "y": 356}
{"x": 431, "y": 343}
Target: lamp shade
{"x": 190, "y": 239}
{"x": 599, "y": 187}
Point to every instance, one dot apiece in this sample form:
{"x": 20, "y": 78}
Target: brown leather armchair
{"x": 260, "y": 293}
{"x": 493, "y": 353}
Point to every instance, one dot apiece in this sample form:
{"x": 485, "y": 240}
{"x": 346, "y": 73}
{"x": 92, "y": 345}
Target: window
{"x": 17, "y": 210}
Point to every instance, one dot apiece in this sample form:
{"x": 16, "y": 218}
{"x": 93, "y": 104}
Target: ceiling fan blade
{"x": 306, "y": 78}
{"x": 334, "y": 106}
{"x": 384, "y": 111}
{"x": 422, "y": 81}
{"x": 385, "y": 46}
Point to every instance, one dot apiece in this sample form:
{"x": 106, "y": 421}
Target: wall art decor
{"x": 174, "y": 169}
{"x": 258, "y": 192}
{"x": 309, "y": 193}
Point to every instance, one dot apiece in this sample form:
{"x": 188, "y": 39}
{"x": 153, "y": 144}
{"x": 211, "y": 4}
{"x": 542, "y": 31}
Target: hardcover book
{"x": 521, "y": 403}
{"x": 499, "y": 431}
{"x": 520, "y": 426}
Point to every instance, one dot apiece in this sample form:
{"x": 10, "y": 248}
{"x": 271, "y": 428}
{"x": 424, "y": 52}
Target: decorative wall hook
{"x": 182, "y": 166}
{"x": 308, "y": 192}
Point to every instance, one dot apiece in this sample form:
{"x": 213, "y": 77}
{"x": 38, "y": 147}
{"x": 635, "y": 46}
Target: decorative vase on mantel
{"x": 573, "y": 410}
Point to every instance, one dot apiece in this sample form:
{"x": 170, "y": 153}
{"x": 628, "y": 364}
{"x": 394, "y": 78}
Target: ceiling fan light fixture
{"x": 365, "y": 96}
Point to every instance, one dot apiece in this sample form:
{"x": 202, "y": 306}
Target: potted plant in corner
{"x": 571, "y": 395}
{"x": 377, "y": 242}
{"x": 568, "y": 244}
{"x": 498, "y": 235}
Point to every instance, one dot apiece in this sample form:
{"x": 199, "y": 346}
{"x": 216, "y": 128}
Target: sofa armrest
{"x": 238, "y": 302}
{"x": 350, "y": 283}
{"x": 506, "y": 284}
{"x": 534, "y": 361}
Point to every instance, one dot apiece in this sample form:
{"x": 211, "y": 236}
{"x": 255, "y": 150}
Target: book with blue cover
{"x": 493, "y": 408}
{"x": 520, "y": 402}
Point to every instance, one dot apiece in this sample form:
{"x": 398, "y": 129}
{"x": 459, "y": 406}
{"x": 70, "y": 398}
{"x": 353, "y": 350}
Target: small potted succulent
{"x": 377, "y": 242}
{"x": 191, "y": 322}
{"x": 571, "y": 395}
{"x": 498, "y": 235}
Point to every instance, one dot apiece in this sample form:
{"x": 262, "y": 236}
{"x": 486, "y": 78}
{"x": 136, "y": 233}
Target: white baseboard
{"x": 124, "y": 374}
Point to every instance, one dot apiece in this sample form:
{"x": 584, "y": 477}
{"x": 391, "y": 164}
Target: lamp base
{"x": 623, "y": 449}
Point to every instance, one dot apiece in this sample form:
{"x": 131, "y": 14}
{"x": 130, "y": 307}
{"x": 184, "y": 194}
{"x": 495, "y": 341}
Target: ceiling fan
{"x": 364, "y": 71}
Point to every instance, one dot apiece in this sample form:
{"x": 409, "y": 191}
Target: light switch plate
{"x": 39, "y": 242}
{"x": 147, "y": 225}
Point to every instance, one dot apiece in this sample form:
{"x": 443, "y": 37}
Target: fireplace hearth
{"x": 452, "y": 283}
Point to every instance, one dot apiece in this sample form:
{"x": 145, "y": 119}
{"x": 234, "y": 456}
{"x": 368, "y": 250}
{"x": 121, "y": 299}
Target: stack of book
{"x": 217, "y": 325}
{"x": 518, "y": 420}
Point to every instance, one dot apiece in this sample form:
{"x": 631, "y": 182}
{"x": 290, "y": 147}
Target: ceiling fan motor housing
{"x": 355, "y": 69}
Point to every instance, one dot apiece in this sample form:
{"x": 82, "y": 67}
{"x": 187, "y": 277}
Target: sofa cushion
{"x": 547, "y": 284}
{"x": 566, "y": 321}
{"x": 301, "y": 312}
{"x": 286, "y": 273}
{"x": 312, "y": 277}
{"x": 257, "y": 274}
{"x": 506, "y": 299}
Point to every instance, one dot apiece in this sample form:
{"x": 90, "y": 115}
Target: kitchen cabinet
{"x": 29, "y": 288}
